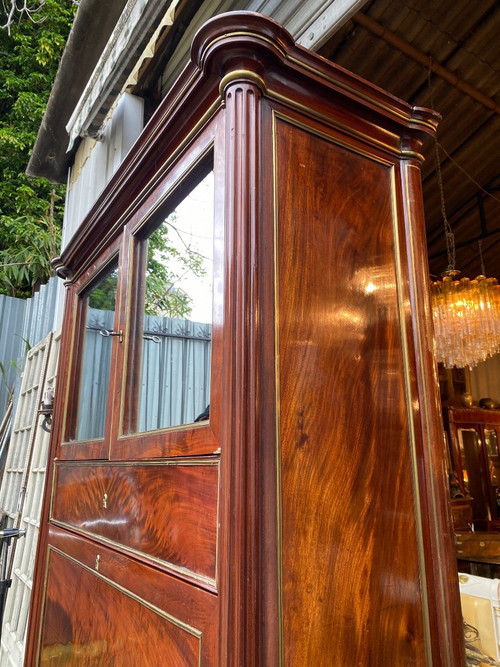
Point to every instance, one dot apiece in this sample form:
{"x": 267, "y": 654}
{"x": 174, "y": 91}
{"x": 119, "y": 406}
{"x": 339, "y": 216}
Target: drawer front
{"x": 164, "y": 511}
{"x": 104, "y": 608}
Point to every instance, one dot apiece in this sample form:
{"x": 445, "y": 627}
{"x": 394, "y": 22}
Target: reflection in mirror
{"x": 176, "y": 347}
{"x": 474, "y": 474}
{"x": 100, "y": 304}
{"x": 491, "y": 442}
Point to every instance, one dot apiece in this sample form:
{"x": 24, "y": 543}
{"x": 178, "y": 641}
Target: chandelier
{"x": 466, "y": 317}
{"x": 466, "y": 312}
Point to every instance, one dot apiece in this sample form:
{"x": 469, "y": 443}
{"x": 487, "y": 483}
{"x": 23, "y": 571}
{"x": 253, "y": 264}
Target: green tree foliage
{"x": 165, "y": 268}
{"x": 30, "y": 209}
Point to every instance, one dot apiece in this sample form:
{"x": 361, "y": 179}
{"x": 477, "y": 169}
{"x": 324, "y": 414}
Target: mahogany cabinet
{"x": 306, "y": 522}
{"x": 474, "y": 441}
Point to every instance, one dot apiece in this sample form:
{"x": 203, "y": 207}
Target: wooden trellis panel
{"x": 22, "y": 491}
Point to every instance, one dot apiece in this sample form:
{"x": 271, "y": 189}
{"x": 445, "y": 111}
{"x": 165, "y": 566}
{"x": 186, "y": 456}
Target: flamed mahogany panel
{"x": 168, "y": 512}
{"x": 350, "y": 571}
{"x": 91, "y": 620}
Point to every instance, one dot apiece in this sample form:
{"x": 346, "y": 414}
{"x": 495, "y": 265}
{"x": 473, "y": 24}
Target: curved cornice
{"x": 246, "y": 47}
{"x": 255, "y": 43}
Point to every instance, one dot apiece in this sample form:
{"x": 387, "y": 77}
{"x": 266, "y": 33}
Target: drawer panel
{"x": 166, "y": 511}
{"x": 102, "y": 608}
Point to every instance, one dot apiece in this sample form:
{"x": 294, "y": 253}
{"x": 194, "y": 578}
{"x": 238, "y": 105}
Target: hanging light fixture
{"x": 466, "y": 312}
{"x": 466, "y": 319}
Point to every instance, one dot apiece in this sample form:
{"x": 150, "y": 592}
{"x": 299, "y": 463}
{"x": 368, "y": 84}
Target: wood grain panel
{"x": 89, "y": 620}
{"x": 350, "y": 570}
{"x": 167, "y": 512}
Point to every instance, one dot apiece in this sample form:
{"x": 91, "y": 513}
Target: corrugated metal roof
{"x": 462, "y": 37}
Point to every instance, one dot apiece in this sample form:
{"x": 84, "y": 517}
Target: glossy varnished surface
{"x": 351, "y": 590}
{"x": 168, "y": 512}
{"x": 103, "y": 609}
{"x": 333, "y": 545}
{"x": 102, "y": 627}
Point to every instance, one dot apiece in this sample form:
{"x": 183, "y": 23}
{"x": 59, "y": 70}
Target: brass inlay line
{"x": 332, "y": 121}
{"x": 195, "y": 632}
{"x": 279, "y": 535}
{"x": 91, "y": 463}
{"x": 253, "y": 35}
{"x": 411, "y": 427}
{"x": 406, "y": 117}
{"x": 168, "y": 565}
{"x": 425, "y": 408}
{"x": 333, "y": 139}
{"x": 188, "y": 462}
{"x": 412, "y": 155}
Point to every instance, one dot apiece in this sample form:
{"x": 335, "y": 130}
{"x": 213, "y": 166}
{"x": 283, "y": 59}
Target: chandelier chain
{"x": 480, "y": 246}
{"x": 448, "y": 232}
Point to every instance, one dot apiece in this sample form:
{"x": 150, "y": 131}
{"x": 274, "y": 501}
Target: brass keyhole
{"x": 105, "y": 501}
{"x": 97, "y": 562}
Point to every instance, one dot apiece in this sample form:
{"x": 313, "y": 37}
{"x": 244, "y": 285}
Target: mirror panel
{"x": 491, "y": 442}
{"x": 473, "y": 472}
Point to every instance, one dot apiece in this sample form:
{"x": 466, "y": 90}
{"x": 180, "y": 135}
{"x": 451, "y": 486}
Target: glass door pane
{"x": 177, "y": 318}
{"x": 100, "y": 304}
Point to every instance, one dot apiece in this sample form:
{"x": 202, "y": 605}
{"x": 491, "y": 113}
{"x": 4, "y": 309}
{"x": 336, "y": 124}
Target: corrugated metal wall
{"x": 175, "y": 383}
{"x": 11, "y": 344}
{"x": 23, "y": 324}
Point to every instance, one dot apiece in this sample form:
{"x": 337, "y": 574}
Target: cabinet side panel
{"x": 351, "y": 591}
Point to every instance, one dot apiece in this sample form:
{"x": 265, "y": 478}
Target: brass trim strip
{"x": 247, "y": 33}
{"x": 195, "y": 632}
{"x": 188, "y": 462}
{"x": 183, "y": 177}
{"x": 412, "y": 155}
{"x": 104, "y": 463}
{"x": 406, "y": 117}
{"x": 123, "y": 548}
{"x": 425, "y": 408}
{"x": 320, "y": 74}
{"x": 333, "y": 139}
{"x": 279, "y": 535}
{"x": 347, "y": 129}
{"x": 411, "y": 427}
{"x": 241, "y": 75}
{"x": 278, "y": 115}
